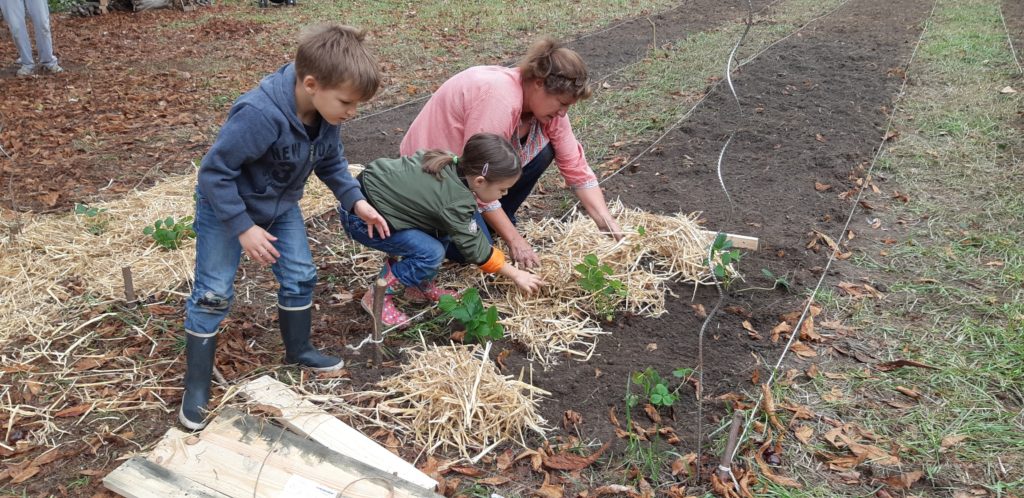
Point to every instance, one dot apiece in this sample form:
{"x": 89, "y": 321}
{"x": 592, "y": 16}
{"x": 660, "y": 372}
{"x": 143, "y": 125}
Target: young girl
{"x": 429, "y": 200}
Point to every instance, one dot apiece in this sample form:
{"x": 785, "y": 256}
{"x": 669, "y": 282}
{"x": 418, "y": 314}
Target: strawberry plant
{"x": 95, "y": 218}
{"x": 595, "y": 279}
{"x": 481, "y": 324}
{"x": 722, "y": 255}
{"x": 169, "y": 234}
{"x": 656, "y": 389}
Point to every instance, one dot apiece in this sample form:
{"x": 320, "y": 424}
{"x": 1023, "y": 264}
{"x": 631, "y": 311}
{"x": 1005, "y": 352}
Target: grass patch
{"x": 956, "y": 278}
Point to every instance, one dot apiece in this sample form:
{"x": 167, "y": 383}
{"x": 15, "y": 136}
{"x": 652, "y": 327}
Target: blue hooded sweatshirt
{"x": 258, "y": 167}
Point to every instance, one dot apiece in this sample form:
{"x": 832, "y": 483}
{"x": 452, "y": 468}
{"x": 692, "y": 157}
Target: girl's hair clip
{"x": 483, "y": 171}
{"x": 455, "y": 159}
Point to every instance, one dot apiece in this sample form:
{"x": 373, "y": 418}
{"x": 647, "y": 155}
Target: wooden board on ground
{"x": 243, "y": 456}
{"x": 140, "y": 478}
{"x": 738, "y": 241}
{"x": 307, "y": 419}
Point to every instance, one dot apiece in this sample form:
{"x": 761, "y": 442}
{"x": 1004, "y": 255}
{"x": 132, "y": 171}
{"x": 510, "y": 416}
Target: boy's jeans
{"x": 421, "y": 253}
{"x": 218, "y": 254}
{"x": 14, "y": 15}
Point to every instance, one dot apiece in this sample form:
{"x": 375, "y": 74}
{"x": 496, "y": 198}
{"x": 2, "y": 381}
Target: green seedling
{"x": 481, "y": 324}
{"x": 170, "y": 234}
{"x": 595, "y": 279}
{"x": 95, "y": 218}
{"x": 779, "y": 281}
{"x": 722, "y": 255}
{"x": 656, "y": 389}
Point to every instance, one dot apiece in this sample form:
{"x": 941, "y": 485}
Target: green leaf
{"x": 447, "y": 303}
{"x": 168, "y": 222}
{"x": 679, "y": 373}
{"x": 719, "y": 271}
{"x": 147, "y": 231}
{"x": 641, "y": 230}
{"x": 590, "y": 259}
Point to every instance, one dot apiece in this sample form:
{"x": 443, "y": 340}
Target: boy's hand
{"x": 367, "y": 213}
{"x": 257, "y": 244}
{"x": 526, "y": 281}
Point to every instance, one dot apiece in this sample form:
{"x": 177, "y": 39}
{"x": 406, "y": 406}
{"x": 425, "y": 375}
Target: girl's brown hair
{"x": 561, "y": 69}
{"x": 485, "y": 154}
{"x": 334, "y": 54}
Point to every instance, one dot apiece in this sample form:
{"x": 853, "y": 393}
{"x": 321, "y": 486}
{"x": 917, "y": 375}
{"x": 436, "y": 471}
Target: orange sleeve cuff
{"x": 495, "y": 262}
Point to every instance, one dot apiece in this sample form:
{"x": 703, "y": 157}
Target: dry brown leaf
{"x": 612, "y": 418}
{"x": 571, "y": 419}
{"x": 812, "y": 371}
{"x": 802, "y": 350}
{"x": 904, "y": 481}
{"x": 822, "y": 187}
{"x": 819, "y": 137}
{"x": 838, "y": 327}
{"x": 698, "y": 309}
{"x": 505, "y": 460}
{"x": 494, "y": 481}
{"x": 893, "y": 365}
{"x": 799, "y": 411}
{"x": 646, "y": 491}
{"x": 25, "y": 474}
{"x": 340, "y": 373}
{"x": 767, "y": 471}
{"x": 738, "y": 311}
{"x": 652, "y": 347}
{"x": 804, "y": 433}
{"x": 845, "y": 462}
{"x": 755, "y": 378}
{"x": 466, "y": 470}
{"x": 750, "y": 330}
{"x": 73, "y": 411}
{"x": 909, "y": 392}
{"x": 652, "y": 413}
{"x": 500, "y": 359}
{"x": 613, "y": 489}
{"x": 952, "y": 440}
{"x": 571, "y": 462}
{"x": 870, "y": 452}
{"x": 549, "y": 491}
{"x": 781, "y": 328}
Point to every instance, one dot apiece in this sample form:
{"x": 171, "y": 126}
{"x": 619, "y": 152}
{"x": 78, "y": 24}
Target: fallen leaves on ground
{"x": 570, "y": 462}
{"x": 903, "y": 481}
{"x": 895, "y": 364}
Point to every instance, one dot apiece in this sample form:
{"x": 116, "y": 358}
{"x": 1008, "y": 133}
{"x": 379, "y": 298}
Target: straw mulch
{"x": 55, "y": 260}
{"x": 453, "y": 397}
{"x": 564, "y": 319}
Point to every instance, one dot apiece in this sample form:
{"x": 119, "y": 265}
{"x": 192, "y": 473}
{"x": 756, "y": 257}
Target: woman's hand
{"x": 521, "y": 252}
{"x": 373, "y": 219}
{"x": 611, "y": 227}
{"x": 258, "y": 245}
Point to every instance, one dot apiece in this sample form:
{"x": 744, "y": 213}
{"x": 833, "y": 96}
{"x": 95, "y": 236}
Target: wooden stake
{"x": 378, "y": 322}
{"x": 129, "y": 288}
{"x": 725, "y": 465}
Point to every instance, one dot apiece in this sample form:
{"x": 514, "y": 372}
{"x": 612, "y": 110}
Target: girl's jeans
{"x": 421, "y": 253}
{"x": 38, "y": 10}
{"x": 218, "y": 254}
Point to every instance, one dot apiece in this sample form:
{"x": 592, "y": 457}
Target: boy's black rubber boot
{"x": 199, "y": 352}
{"x": 264, "y": 3}
{"x": 290, "y": 2}
{"x": 296, "y": 325}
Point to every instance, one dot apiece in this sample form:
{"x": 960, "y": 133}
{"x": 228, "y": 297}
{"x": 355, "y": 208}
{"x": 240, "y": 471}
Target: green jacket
{"x": 409, "y": 197}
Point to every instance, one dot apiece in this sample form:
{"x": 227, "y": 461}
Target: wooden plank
{"x": 738, "y": 241}
{"x": 140, "y": 478}
{"x": 307, "y": 419}
{"x": 242, "y": 456}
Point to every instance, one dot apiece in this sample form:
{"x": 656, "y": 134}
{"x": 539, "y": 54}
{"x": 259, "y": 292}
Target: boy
{"x": 247, "y": 198}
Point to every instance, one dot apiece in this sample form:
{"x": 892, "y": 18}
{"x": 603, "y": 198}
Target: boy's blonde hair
{"x": 334, "y": 54}
{"x": 561, "y": 69}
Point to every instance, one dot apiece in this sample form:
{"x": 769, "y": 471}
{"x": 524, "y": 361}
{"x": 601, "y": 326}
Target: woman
{"x": 526, "y": 105}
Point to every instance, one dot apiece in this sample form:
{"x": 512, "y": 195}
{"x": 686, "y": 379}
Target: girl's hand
{"x": 257, "y": 244}
{"x": 521, "y": 252}
{"x": 526, "y": 281}
{"x": 373, "y": 219}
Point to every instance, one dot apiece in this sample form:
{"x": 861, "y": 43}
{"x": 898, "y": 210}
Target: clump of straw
{"x": 564, "y": 318}
{"x": 453, "y": 397}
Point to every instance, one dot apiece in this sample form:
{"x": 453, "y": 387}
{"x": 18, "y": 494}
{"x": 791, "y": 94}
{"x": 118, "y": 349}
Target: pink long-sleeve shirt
{"x": 490, "y": 99}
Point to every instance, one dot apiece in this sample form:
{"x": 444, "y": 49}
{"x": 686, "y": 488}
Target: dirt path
{"x": 814, "y": 108}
